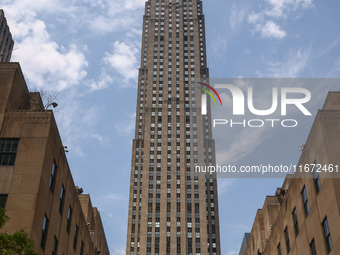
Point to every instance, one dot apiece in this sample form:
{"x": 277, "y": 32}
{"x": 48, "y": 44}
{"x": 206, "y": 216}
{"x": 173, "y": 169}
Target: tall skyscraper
{"x": 172, "y": 210}
{"x": 6, "y": 41}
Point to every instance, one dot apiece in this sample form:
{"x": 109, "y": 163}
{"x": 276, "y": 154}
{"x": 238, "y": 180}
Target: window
{"x": 61, "y": 199}
{"x": 53, "y": 176}
{"x": 295, "y": 221}
{"x": 55, "y": 246}
{"x": 279, "y": 249}
{"x": 305, "y": 200}
{"x": 8, "y": 151}
{"x": 316, "y": 177}
{"x": 69, "y": 218}
{"x": 44, "y": 232}
{"x": 75, "y": 239}
{"x": 82, "y": 248}
{"x": 3, "y": 200}
{"x": 287, "y": 240}
{"x": 312, "y": 247}
{"x": 327, "y": 235}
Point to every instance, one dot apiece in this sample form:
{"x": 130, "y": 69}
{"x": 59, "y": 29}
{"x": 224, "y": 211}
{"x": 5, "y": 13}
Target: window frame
{"x": 286, "y": 234}
{"x": 69, "y": 219}
{"x": 8, "y": 154}
{"x": 305, "y": 200}
{"x": 53, "y": 176}
{"x": 82, "y": 247}
{"x": 3, "y": 200}
{"x": 317, "y": 181}
{"x": 279, "y": 251}
{"x": 75, "y": 237}
{"x": 327, "y": 233}
{"x": 313, "y": 247}
{"x": 55, "y": 246}
{"x": 295, "y": 222}
{"x": 44, "y": 232}
{"x": 61, "y": 199}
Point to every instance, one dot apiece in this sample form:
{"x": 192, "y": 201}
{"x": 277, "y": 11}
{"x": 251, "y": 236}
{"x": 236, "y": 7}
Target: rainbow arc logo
{"x": 209, "y": 93}
{"x": 204, "y": 96}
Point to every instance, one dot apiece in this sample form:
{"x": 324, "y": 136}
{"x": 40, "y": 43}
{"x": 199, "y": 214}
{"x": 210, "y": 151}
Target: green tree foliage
{"x": 17, "y": 244}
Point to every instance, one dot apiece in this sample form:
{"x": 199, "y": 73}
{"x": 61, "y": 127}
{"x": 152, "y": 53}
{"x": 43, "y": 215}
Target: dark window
{"x": 327, "y": 235}
{"x": 316, "y": 177}
{"x": 75, "y": 239}
{"x": 69, "y": 218}
{"x": 279, "y": 249}
{"x": 8, "y": 151}
{"x": 312, "y": 247}
{"x": 82, "y": 248}
{"x": 3, "y": 200}
{"x": 44, "y": 232}
{"x": 305, "y": 200}
{"x": 61, "y": 199}
{"x": 53, "y": 176}
{"x": 287, "y": 240}
{"x": 295, "y": 221}
{"x": 55, "y": 246}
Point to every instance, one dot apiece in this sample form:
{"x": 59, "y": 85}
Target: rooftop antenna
{"x": 5, "y": 53}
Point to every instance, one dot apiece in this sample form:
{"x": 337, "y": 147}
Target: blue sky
{"x": 88, "y": 52}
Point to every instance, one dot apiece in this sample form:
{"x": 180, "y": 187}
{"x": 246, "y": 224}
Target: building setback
{"x": 304, "y": 215}
{"x": 244, "y": 244}
{"x": 36, "y": 186}
{"x": 172, "y": 210}
{"x": 6, "y": 41}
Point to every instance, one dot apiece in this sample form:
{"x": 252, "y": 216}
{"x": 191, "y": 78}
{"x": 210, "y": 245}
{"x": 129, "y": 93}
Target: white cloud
{"x": 35, "y": 5}
{"x": 219, "y": 45}
{"x": 76, "y": 121}
{"x": 275, "y": 9}
{"x": 126, "y": 127}
{"x": 232, "y": 252}
{"x": 45, "y": 64}
{"x": 104, "y": 81}
{"x": 255, "y": 18}
{"x": 124, "y": 60}
{"x": 242, "y": 144}
{"x": 119, "y": 251}
{"x": 280, "y": 8}
{"x": 237, "y": 17}
{"x": 49, "y": 65}
{"x": 114, "y": 197}
{"x": 133, "y": 4}
{"x": 335, "y": 71}
{"x": 97, "y": 15}
{"x": 271, "y": 30}
{"x": 112, "y": 15}
{"x": 96, "y": 136}
{"x": 224, "y": 185}
{"x": 292, "y": 67}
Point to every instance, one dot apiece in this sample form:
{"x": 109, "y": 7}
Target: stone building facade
{"x": 303, "y": 217}
{"x": 172, "y": 210}
{"x": 6, "y": 41}
{"x": 36, "y": 185}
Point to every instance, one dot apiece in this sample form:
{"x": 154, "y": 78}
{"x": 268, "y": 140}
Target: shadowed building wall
{"x": 36, "y": 186}
{"x": 6, "y": 41}
{"x": 304, "y": 215}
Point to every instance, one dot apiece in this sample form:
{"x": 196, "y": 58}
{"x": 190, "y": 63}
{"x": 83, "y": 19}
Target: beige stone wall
{"x": 27, "y": 182}
{"x": 323, "y": 145}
